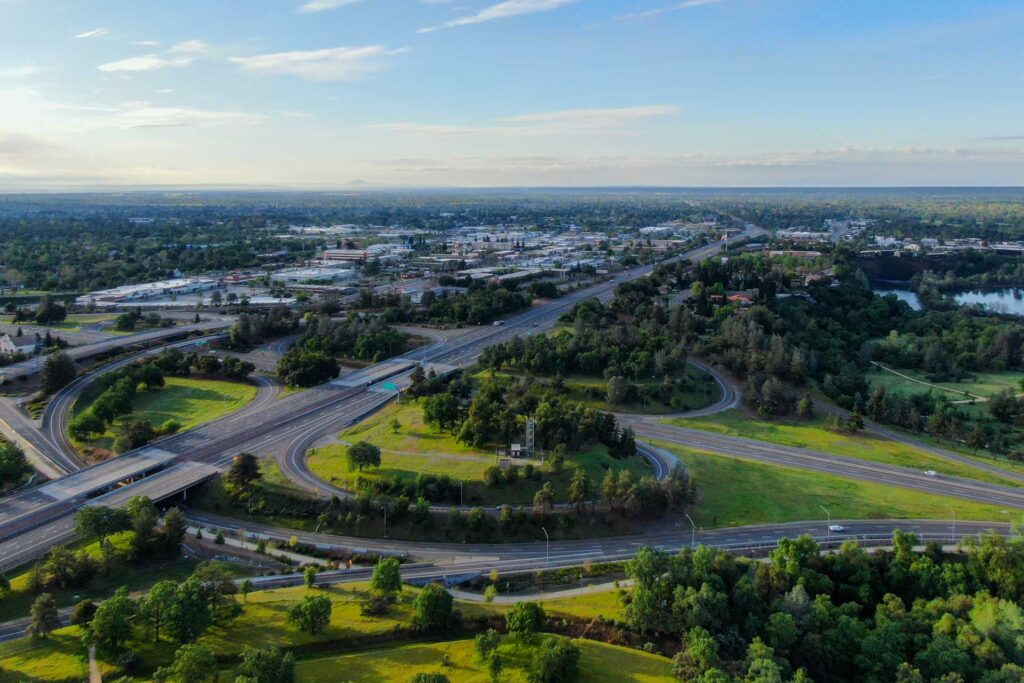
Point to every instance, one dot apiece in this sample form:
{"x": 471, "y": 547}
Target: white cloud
{"x": 145, "y": 63}
{"x": 179, "y": 55}
{"x": 145, "y": 43}
{"x": 322, "y": 5}
{"x": 18, "y": 71}
{"x": 503, "y": 10}
{"x": 686, "y": 4}
{"x": 144, "y": 115}
{"x": 330, "y": 64}
{"x": 190, "y": 47}
{"x": 564, "y": 122}
{"x": 95, "y": 33}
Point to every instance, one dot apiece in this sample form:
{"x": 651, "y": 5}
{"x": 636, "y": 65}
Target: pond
{"x": 909, "y": 296}
{"x": 1010, "y": 300}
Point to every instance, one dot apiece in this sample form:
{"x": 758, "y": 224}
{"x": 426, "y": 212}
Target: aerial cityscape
{"x": 543, "y": 341}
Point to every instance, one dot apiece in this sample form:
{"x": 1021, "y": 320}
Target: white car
{"x": 836, "y": 528}
{"x": 931, "y": 473}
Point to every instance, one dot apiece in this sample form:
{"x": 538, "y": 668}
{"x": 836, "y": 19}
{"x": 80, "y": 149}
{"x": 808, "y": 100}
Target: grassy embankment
{"x": 188, "y": 400}
{"x": 812, "y": 434}
{"x": 736, "y": 492}
{"x": 420, "y": 449}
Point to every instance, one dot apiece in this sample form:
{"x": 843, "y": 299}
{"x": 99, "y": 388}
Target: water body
{"x": 1010, "y": 300}
{"x": 909, "y": 296}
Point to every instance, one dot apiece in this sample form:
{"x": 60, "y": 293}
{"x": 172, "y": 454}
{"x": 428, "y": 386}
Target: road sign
{"x": 390, "y": 386}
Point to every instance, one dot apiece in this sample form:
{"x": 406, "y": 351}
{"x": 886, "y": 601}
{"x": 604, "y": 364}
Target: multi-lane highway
{"x": 277, "y": 424}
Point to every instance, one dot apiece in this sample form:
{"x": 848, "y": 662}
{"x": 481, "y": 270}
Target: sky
{"x": 323, "y": 94}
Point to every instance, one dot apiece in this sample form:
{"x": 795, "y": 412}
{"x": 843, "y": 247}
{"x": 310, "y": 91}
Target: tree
{"x": 555, "y": 661}
{"x": 311, "y": 615}
{"x": 14, "y": 467}
{"x": 190, "y": 612}
{"x": 486, "y": 643}
{"x": 58, "y": 372}
{"x": 245, "y": 588}
{"x": 83, "y": 613}
{"x": 266, "y": 665}
{"x": 192, "y": 664}
{"x": 396, "y": 426}
{"x": 386, "y": 579}
{"x": 43, "y": 618}
{"x": 432, "y": 610}
{"x": 363, "y": 454}
{"x": 441, "y": 410}
{"x": 309, "y": 576}
{"x": 112, "y": 624}
{"x": 244, "y": 471}
{"x": 494, "y": 667}
{"x": 524, "y": 620}
{"x": 432, "y": 677}
{"x": 580, "y": 489}
{"x": 544, "y": 499}
{"x": 617, "y": 391}
{"x": 50, "y": 311}
{"x": 158, "y": 603}
{"x": 100, "y": 522}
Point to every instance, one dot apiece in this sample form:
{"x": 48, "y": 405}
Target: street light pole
{"x": 547, "y": 543}
{"x": 952, "y": 533}
{"x": 693, "y": 532}
{"x": 828, "y": 529}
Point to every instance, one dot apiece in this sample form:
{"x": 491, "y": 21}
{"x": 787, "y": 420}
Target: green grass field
{"x": 599, "y": 662}
{"x": 419, "y": 449}
{"x": 980, "y": 384}
{"x": 736, "y": 492}
{"x": 813, "y": 435}
{"x": 190, "y": 401}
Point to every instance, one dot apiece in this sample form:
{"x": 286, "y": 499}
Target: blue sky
{"x": 319, "y": 93}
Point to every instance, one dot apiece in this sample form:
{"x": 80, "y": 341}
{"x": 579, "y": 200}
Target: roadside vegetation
{"x": 131, "y": 406}
{"x": 816, "y": 434}
{"x": 736, "y": 492}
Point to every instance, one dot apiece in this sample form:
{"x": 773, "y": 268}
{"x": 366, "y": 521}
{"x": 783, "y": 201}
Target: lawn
{"x": 979, "y": 384}
{"x": 418, "y": 449}
{"x": 599, "y": 662}
{"x": 58, "y": 659}
{"x": 263, "y": 622}
{"x": 736, "y": 492}
{"x": 605, "y": 604}
{"x": 190, "y": 401}
{"x": 813, "y": 435}
{"x": 16, "y": 603}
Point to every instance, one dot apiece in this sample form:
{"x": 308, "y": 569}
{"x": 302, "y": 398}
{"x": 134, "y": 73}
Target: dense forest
{"x": 891, "y": 615}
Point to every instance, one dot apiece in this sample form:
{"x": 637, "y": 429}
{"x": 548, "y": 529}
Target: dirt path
{"x": 94, "y": 668}
{"x": 961, "y": 392}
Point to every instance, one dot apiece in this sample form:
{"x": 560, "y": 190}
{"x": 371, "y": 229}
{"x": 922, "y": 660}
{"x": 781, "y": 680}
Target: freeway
{"x": 33, "y": 365}
{"x": 455, "y": 563}
{"x": 277, "y": 424}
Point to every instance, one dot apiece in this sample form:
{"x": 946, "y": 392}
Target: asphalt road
{"x": 279, "y": 423}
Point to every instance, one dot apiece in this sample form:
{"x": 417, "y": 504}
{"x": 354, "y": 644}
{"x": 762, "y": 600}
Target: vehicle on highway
{"x": 836, "y": 528}
{"x": 931, "y": 473}
{"x": 369, "y": 382}
{"x": 536, "y": 324}
{"x": 499, "y": 323}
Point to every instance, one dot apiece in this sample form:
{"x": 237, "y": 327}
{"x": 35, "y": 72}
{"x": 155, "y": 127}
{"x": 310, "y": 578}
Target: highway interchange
{"x": 287, "y": 426}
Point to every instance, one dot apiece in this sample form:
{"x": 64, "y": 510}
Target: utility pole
{"x": 547, "y": 542}
{"x": 693, "y": 532}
